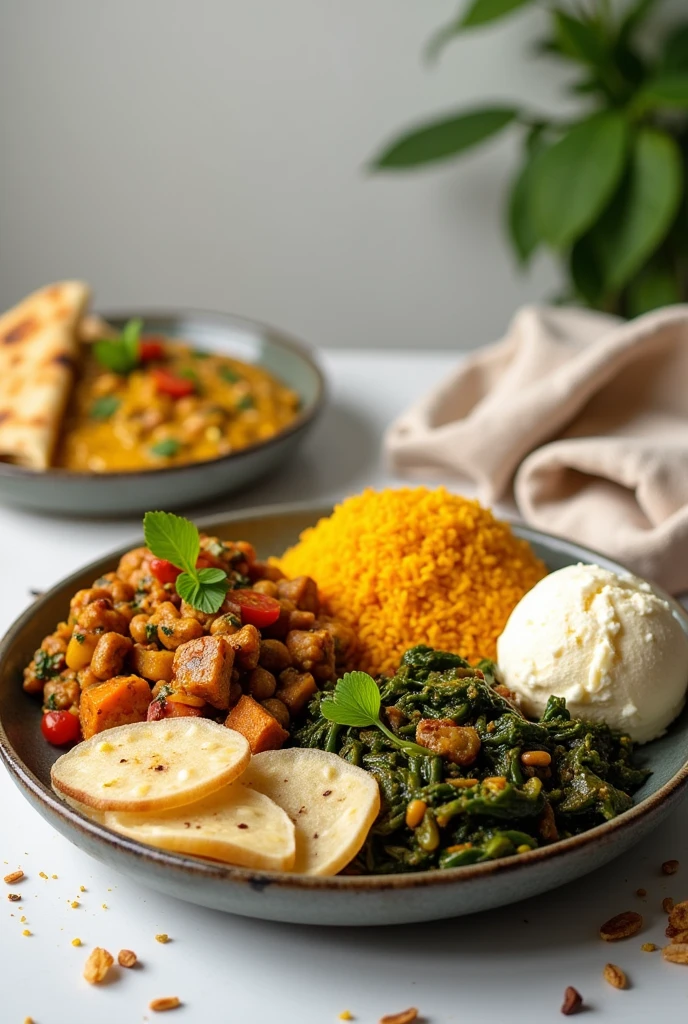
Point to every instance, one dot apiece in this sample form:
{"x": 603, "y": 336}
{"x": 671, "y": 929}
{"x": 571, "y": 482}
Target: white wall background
{"x": 211, "y": 153}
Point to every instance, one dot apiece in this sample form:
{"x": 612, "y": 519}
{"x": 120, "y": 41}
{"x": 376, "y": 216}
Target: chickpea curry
{"x": 147, "y": 402}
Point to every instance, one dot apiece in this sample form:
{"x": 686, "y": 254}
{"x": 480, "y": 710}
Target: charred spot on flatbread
{"x": 20, "y": 331}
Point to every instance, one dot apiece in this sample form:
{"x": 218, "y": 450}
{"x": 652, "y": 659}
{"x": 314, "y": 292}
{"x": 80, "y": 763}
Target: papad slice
{"x": 332, "y": 803}
{"x": 149, "y": 766}
{"x": 235, "y": 825}
{"x": 39, "y": 352}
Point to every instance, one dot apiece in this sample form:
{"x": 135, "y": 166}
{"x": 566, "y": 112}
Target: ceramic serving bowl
{"x": 111, "y": 494}
{"x": 343, "y": 900}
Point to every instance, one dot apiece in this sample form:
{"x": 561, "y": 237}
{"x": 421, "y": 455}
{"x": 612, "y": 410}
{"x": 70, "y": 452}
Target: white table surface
{"x": 510, "y": 965}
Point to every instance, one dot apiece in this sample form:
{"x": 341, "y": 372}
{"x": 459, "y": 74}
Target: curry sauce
{"x": 179, "y": 405}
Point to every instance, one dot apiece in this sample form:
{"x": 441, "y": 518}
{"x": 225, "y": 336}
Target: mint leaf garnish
{"x": 356, "y": 701}
{"x": 121, "y": 354}
{"x": 176, "y": 540}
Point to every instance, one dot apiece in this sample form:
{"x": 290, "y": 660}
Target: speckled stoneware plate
{"x": 111, "y": 494}
{"x": 393, "y": 899}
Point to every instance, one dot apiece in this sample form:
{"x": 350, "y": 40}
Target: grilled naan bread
{"x": 38, "y": 354}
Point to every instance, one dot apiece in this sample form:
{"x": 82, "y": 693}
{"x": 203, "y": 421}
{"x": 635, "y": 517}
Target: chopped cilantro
{"x": 167, "y": 630}
{"x": 48, "y": 665}
{"x": 151, "y": 632}
{"x": 228, "y": 374}
{"x": 51, "y": 703}
{"x": 239, "y": 581}
{"x": 105, "y": 407}
{"x": 79, "y": 637}
{"x": 245, "y": 402}
{"x": 198, "y": 353}
{"x": 164, "y": 692}
{"x": 167, "y": 448}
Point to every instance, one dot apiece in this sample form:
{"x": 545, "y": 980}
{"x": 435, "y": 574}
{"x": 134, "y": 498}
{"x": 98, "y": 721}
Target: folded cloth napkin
{"x": 585, "y": 417}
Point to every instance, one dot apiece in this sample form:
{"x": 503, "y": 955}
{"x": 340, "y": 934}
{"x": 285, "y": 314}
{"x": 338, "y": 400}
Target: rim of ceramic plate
{"x": 275, "y": 337}
{"x": 201, "y": 869}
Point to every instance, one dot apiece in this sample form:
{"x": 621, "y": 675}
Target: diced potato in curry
{"x": 203, "y": 668}
{"x": 119, "y": 701}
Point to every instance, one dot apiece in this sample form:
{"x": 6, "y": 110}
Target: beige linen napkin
{"x": 585, "y": 416}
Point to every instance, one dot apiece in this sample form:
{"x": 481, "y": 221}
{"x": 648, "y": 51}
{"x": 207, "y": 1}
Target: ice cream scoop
{"x": 607, "y": 643}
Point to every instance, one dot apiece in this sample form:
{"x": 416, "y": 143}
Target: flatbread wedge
{"x": 150, "y": 766}
{"x": 332, "y": 803}
{"x": 38, "y": 356}
{"x": 235, "y": 825}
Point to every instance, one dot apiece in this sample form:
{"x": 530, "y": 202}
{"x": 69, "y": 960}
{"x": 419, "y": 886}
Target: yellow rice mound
{"x": 412, "y": 566}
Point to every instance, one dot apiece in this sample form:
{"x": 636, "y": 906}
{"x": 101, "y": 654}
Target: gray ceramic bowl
{"x": 393, "y": 899}
{"x": 107, "y": 494}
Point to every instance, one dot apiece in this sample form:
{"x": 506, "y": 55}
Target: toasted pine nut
{"x": 164, "y": 1003}
{"x": 14, "y": 876}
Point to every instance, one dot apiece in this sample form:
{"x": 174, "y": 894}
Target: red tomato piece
{"x": 169, "y": 383}
{"x": 205, "y": 562}
{"x": 164, "y": 571}
{"x": 151, "y": 348}
{"x": 257, "y": 609}
{"x": 60, "y": 727}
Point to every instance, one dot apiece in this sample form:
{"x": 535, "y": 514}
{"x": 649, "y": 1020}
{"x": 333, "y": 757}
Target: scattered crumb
{"x": 649, "y": 947}
{"x": 13, "y": 897}
{"x": 573, "y": 1001}
{"x": 26, "y": 932}
{"x": 670, "y": 867}
{"x": 162, "y": 937}
{"x": 42, "y": 874}
{"x": 109, "y": 890}
{"x": 53, "y": 876}
{"x": 165, "y": 1003}
{"x": 642, "y": 893}
{"x": 98, "y": 964}
{"x": 614, "y": 976}
{"x": 76, "y": 942}
{"x": 104, "y": 906}
{"x": 126, "y": 958}
{"x": 22, "y": 919}
{"x": 667, "y": 904}
{"x": 74, "y": 904}
{"x": 28, "y": 1020}
{"x": 346, "y": 1015}
{"x": 14, "y": 876}
{"x": 82, "y": 888}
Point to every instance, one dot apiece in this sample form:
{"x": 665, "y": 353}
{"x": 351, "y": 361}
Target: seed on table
{"x": 622, "y": 926}
{"x": 615, "y": 976}
{"x": 97, "y": 965}
{"x": 573, "y": 1001}
{"x": 126, "y": 958}
{"x": 164, "y": 1003}
{"x": 676, "y": 953}
{"x": 649, "y": 947}
{"x": 405, "y": 1017}
{"x": 641, "y": 893}
{"x": 536, "y": 759}
{"x": 14, "y": 876}
{"x": 13, "y": 897}
{"x": 670, "y": 867}
{"x": 162, "y": 937}
{"x": 667, "y": 904}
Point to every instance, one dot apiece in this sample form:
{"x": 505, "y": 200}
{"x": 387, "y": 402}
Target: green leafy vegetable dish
{"x": 464, "y": 777}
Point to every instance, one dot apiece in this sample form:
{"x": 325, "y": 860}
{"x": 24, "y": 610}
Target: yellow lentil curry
{"x": 174, "y": 405}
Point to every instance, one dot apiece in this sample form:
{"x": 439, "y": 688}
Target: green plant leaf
{"x": 653, "y": 288}
{"x": 634, "y": 17}
{"x": 479, "y": 12}
{"x": 444, "y": 138}
{"x": 172, "y": 538}
{"x": 675, "y": 53}
{"x": 167, "y": 448}
{"x": 667, "y": 91}
{"x": 585, "y": 272}
{"x": 643, "y": 210}
{"x": 520, "y": 222}
{"x": 580, "y": 40}
{"x": 576, "y": 177}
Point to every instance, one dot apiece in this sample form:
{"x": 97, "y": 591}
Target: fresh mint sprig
{"x": 121, "y": 354}
{"x": 356, "y": 701}
{"x": 176, "y": 540}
